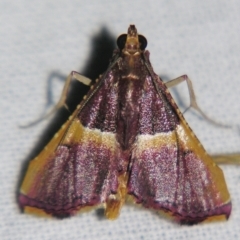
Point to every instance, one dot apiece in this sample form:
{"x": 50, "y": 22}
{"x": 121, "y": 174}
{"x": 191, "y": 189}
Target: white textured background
{"x": 37, "y": 38}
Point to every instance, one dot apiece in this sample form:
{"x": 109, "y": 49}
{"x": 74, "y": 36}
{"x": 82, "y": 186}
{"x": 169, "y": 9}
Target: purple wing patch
{"x": 175, "y": 181}
{"x": 77, "y": 176}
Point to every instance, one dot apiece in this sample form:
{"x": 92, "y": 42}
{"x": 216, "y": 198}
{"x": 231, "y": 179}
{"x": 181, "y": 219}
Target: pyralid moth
{"x": 126, "y": 138}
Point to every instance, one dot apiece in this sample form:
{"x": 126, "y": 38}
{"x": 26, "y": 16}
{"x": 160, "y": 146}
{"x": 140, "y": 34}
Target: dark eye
{"x": 121, "y": 41}
{"x": 143, "y": 42}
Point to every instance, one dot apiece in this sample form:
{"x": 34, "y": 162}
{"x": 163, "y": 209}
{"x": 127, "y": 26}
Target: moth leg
{"x": 233, "y": 158}
{"x": 62, "y": 102}
{"x": 72, "y": 76}
{"x": 193, "y": 101}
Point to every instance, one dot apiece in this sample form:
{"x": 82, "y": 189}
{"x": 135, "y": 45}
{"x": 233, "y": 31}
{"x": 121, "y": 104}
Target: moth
{"x": 126, "y": 140}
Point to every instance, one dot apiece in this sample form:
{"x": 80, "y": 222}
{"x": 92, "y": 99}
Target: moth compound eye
{"x": 121, "y": 41}
{"x": 143, "y": 42}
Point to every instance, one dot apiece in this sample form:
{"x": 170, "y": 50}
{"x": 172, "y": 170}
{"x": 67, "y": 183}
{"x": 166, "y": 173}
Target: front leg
{"x": 193, "y": 101}
{"x": 72, "y": 76}
{"x": 62, "y": 101}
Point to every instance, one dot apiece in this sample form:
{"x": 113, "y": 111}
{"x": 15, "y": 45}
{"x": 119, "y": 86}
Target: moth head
{"x": 132, "y": 43}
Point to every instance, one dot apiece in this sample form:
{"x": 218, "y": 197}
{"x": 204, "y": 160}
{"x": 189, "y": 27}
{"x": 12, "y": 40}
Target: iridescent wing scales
{"x": 170, "y": 170}
{"x": 83, "y": 169}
